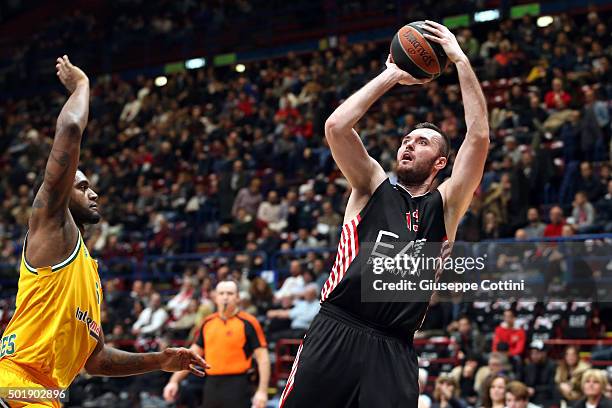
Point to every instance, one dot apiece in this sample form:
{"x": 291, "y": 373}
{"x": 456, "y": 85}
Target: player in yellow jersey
{"x": 56, "y": 329}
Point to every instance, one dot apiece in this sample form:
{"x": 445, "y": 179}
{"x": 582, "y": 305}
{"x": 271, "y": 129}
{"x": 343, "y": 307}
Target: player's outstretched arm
{"x": 458, "y": 190}
{"x": 111, "y": 362}
{"x": 362, "y": 172}
{"x": 171, "y": 389}
{"x": 51, "y": 201}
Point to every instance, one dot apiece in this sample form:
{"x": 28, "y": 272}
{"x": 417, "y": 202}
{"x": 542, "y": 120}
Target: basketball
{"x": 413, "y": 53}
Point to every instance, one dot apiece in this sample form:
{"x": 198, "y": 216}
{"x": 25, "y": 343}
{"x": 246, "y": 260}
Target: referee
{"x": 228, "y": 340}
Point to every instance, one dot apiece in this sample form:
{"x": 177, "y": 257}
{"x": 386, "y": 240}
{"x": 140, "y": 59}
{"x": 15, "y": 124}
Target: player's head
{"x": 83, "y": 201}
{"x": 227, "y": 295}
{"x": 423, "y": 153}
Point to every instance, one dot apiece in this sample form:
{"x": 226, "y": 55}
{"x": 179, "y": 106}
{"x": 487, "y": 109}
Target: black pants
{"x": 344, "y": 363}
{"x": 227, "y": 391}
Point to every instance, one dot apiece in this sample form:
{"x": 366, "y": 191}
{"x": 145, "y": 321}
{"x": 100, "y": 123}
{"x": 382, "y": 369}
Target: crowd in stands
{"x": 216, "y": 160}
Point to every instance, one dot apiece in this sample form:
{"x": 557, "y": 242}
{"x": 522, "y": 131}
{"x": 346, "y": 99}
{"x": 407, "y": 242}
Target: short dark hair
{"x": 428, "y": 125}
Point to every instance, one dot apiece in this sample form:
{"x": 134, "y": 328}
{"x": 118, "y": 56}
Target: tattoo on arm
{"x": 117, "y": 363}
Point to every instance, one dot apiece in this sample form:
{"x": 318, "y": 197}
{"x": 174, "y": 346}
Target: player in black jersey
{"x": 360, "y": 354}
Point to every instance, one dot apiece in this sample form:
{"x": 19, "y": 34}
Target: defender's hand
{"x": 179, "y": 359}
{"x": 70, "y": 75}
{"x": 443, "y": 36}
{"x": 403, "y": 77}
{"x": 260, "y": 399}
{"x": 171, "y": 391}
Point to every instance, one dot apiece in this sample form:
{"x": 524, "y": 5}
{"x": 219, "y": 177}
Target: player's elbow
{"x": 92, "y": 366}
{"x": 479, "y": 135}
{"x": 334, "y": 126}
{"x": 331, "y": 125}
{"x": 70, "y": 126}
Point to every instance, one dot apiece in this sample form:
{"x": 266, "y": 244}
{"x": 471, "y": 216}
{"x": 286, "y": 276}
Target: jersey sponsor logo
{"x": 84, "y": 317}
{"x": 384, "y": 248}
{"x": 7, "y": 345}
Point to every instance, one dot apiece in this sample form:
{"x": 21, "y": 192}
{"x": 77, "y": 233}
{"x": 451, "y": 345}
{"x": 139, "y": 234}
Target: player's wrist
{"x": 461, "y": 59}
{"x": 394, "y": 74}
{"x": 83, "y": 82}
{"x": 157, "y": 359}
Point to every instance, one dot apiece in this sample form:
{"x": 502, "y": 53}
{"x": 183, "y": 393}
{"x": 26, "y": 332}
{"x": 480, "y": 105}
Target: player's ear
{"x": 440, "y": 163}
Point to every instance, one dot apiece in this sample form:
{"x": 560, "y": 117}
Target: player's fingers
{"x": 195, "y": 371}
{"x": 433, "y": 38}
{"x": 199, "y": 361}
{"x": 433, "y": 30}
{"x": 435, "y": 24}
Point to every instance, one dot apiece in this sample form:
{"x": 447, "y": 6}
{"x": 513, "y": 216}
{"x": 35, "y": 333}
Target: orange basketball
{"x": 415, "y": 54}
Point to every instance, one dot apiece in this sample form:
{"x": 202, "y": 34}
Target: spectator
{"x": 589, "y": 183}
{"x": 555, "y": 228}
{"x": 467, "y": 337}
{"x": 306, "y": 240}
{"x": 321, "y": 274}
{"x": 228, "y": 340}
{"x": 535, "y": 228}
{"x": 293, "y": 285}
{"x": 517, "y": 396}
{"x": 557, "y": 98}
{"x": 583, "y": 213}
{"x": 329, "y": 223}
{"x": 569, "y": 374}
{"x": 424, "y": 400}
{"x": 595, "y": 120}
{"x": 494, "y": 392}
{"x": 446, "y": 393}
{"x": 469, "y": 44}
{"x": 272, "y": 213}
{"x": 539, "y": 375}
{"x": 497, "y": 365}
{"x": 301, "y": 314}
{"x": 604, "y": 210}
{"x": 183, "y": 325}
{"x": 261, "y": 296}
{"x": 152, "y": 319}
{"x": 248, "y": 198}
{"x": 180, "y": 302}
{"x": 594, "y": 383}
{"x": 508, "y": 333}
{"x": 465, "y": 376}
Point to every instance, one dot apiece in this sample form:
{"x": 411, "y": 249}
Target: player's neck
{"x": 416, "y": 189}
{"x": 81, "y": 228}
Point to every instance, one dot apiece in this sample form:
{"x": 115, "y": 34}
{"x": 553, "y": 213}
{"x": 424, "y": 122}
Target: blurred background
{"x": 206, "y": 145}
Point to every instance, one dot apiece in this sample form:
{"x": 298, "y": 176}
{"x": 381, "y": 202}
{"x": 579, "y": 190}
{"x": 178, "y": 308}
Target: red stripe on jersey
{"x": 348, "y": 248}
{"x": 290, "y": 380}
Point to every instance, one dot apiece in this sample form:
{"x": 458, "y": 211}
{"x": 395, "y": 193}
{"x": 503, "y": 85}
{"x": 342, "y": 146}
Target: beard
{"x": 84, "y": 216}
{"x": 416, "y": 174}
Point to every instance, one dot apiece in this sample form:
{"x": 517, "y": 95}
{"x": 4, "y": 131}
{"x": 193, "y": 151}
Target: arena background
{"x": 205, "y": 143}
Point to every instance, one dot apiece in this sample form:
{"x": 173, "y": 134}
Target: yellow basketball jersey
{"x": 56, "y": 324}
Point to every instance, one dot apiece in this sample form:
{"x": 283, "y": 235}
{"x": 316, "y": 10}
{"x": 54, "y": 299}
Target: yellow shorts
{"x": 10, "y": 380}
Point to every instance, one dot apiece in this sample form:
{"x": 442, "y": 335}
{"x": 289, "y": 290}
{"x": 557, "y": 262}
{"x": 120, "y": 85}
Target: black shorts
{"x": 344, "y": 363}
{"x": 227, "y": 391}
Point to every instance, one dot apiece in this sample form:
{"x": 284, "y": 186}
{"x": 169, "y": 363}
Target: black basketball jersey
{"x": 394, "y": 216}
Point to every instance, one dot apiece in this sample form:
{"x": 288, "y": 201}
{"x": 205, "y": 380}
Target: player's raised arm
{"x": 458, "y": 190}
{"x": 51, "y": 202}
{"x": 362, "y": 172}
